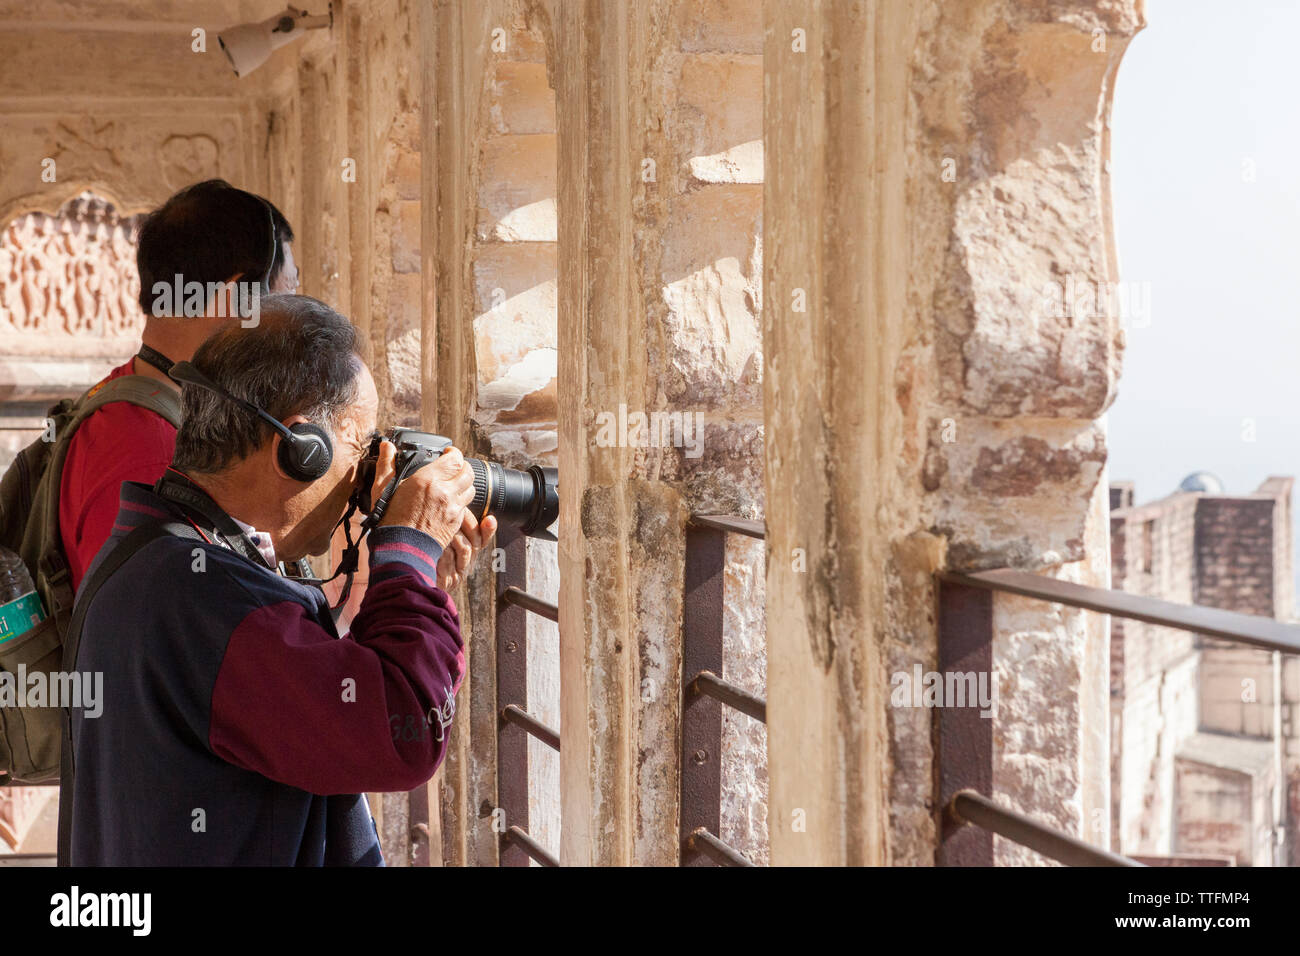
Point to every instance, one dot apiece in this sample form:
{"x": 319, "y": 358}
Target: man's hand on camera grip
{"x": 433, "y": 499}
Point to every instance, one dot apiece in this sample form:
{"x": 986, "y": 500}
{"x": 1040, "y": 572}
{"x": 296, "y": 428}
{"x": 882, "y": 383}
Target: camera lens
{"x": 528, "y": 499}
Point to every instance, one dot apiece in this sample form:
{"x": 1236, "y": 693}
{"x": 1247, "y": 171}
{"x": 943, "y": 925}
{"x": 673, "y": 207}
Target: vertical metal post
{"x": 965, "y": 738}
{"x": 512, "y": 688}
{"x": 701, "y": 796}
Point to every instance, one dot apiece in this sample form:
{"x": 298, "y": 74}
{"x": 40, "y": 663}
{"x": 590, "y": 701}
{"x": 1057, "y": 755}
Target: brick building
{"x": 1205, "y": 759}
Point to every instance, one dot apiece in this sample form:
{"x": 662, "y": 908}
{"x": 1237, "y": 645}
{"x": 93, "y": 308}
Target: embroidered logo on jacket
{"x": 440, "y": 718}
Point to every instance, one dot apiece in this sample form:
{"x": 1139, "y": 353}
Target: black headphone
{"x": 306, "y": 452}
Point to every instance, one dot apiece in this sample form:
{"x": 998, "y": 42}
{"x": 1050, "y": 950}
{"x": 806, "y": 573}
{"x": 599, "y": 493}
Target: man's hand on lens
{"x": 454, "y": 565}
{"x": 433, "y": 499}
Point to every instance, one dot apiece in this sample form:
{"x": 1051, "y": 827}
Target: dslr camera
{"x": 528, "y": 500}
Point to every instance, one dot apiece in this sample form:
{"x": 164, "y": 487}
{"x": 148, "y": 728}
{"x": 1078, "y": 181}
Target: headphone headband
{"x": 270, "y": 262}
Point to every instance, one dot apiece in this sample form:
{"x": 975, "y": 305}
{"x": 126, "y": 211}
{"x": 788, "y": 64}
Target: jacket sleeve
{"x": 366, "y": 712}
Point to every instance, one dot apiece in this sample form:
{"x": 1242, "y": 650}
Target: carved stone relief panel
{"x": 71, "y": 274}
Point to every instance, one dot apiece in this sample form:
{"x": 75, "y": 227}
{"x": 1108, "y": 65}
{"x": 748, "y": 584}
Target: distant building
{"x": 1205, "y": 747}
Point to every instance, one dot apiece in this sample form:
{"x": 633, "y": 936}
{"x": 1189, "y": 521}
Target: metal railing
{"x": 966, "y": 738}
{"x": 967, "y": 806}
{"x": 969, "y": 820}
{"x": 514, "y": 724}
{"x": 704, "y": 692}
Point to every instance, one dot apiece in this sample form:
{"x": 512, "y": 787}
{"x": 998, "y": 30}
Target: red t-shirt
{"x": 120, "y": 442}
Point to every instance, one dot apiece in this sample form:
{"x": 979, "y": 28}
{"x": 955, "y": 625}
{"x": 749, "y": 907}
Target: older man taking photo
{"x": 237, "y": 727}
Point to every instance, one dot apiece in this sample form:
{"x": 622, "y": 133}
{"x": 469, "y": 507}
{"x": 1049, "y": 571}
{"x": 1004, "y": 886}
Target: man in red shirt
{"x": 209, "y": 233}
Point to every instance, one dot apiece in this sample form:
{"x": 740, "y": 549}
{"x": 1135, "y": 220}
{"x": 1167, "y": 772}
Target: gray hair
{"x": 301, "y": 358}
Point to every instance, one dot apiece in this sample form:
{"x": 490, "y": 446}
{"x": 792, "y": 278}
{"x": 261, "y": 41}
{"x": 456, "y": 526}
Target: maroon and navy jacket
{"x": 236, "y": 727}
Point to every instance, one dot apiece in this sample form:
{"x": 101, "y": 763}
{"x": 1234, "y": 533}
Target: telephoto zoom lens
{"x": 527, "y": 499}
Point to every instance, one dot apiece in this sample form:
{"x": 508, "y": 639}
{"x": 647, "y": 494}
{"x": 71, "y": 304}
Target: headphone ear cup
{"x": 308, "y": 456}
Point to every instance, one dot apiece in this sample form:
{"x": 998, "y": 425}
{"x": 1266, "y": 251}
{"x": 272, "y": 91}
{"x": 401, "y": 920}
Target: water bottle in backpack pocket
{"x": 29, "y": 643}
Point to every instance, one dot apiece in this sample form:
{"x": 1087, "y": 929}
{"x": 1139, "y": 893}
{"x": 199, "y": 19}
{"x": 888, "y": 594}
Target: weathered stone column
{"x": 833, "y": 207}
{"x": 655, "y": 247}
{"x": 453, "y": 40}
{"x": 933, "y": 171}
{"x": 600, "y": 46}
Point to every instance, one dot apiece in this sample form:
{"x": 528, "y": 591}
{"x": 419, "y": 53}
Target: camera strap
{"x": 198, "y": 504}
{"x": 152, "y": 356}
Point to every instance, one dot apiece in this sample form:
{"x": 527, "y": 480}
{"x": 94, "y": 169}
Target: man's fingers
{"x": 385, "y": 468}
{"x": 483, "y": 532}
{"x": 469, "y": 527}
{"x": 464, "y": 553}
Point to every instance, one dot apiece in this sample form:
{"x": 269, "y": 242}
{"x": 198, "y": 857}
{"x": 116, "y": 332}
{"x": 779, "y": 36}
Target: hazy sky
{"x": 1207, "y": 97}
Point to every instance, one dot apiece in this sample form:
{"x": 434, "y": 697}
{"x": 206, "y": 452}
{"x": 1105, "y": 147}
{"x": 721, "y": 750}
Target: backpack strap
{"x": 136, "y": 540}
{"x": 138, "y": 390}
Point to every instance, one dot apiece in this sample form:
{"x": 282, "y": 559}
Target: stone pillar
{"x": 833, "y": 207}
{"x": 453, "y": 39}
{"x": 659, "y": 156}
{"x": 932, "y": 171}
{"x": 601, "y": 47}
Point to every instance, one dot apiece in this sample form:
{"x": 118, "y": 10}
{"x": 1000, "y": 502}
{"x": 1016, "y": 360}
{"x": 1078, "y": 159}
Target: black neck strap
{"x": 155, "y": 358}
{"x": 198, "y": 504}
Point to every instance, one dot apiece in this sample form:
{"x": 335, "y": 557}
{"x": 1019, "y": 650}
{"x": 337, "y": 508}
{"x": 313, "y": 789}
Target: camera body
{"x": 528, "y": 500}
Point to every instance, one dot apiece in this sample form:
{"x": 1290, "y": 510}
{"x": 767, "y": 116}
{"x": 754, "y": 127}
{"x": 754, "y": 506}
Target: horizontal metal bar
{"x": 521, "y": 718}
{"x": 711, "y": 685}
{"x": 702, "y": 841}
{"x": 530, "y": 846}
{"x": 1251, "y": 629}
{"x": 531, "y": 602}
{"x": 29, "y": 859}
{"x": 967, "y": 806}
{"x": 745, "y": 526}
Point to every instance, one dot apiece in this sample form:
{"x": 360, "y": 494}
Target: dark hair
{"x": 300, "y": 359}
{"x": 206, "y": 233}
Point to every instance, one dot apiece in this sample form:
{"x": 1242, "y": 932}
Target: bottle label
{"x": 20, "y": 615}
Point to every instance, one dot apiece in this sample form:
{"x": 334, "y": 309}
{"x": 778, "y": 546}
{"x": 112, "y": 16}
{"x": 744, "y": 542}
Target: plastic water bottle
{"x": 20, "y": 605}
